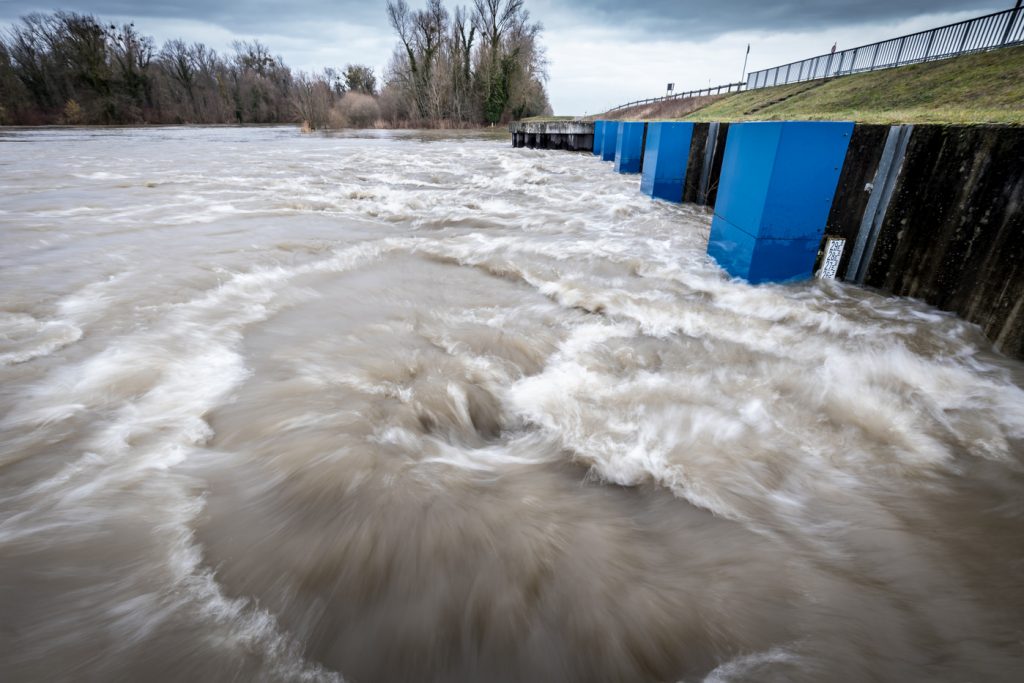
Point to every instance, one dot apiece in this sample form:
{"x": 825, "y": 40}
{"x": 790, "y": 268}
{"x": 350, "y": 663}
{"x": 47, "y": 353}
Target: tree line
{"x": 473, "y": 66}
{"x": 72, "y": 68}
{"x": 482, "y": 64}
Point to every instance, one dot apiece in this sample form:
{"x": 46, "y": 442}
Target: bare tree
{"x": 461, "y": 67}
{"x": 508, "y": 54}
{"x": 132, "y": 53}
{"x": 179, "y": 63}
{"x": 312, "y": 98}
{"x": 462, "y": 38}
{"x": 479, "y": 65}
{"x": 422, "y": 34}
{"x": 262, "y": 84}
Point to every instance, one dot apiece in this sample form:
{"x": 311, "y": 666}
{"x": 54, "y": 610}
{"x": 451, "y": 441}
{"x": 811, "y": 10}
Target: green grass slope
{"x": 979, "y": 88}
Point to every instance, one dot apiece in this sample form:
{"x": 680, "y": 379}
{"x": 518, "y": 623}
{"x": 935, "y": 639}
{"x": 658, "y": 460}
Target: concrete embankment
{"x": 934, "y": 212}
{"x": 953, "y": 233}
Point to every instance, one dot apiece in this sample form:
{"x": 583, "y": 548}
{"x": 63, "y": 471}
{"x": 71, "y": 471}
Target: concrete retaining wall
{"x": 853, "y": 191}
{"x": 953, "y": 234}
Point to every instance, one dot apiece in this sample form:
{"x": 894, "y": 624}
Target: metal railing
{"x": 703, "y": 92}
{"x": 999, "y": 29}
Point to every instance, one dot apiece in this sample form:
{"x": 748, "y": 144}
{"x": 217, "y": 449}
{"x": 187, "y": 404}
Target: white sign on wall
{"x": 833, "y": 253}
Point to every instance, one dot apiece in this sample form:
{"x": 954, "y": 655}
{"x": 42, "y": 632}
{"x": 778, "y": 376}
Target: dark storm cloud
{"x": 671, "y": 19}
{"x": 256, "y": 16}
{"x": 689, "y": 20}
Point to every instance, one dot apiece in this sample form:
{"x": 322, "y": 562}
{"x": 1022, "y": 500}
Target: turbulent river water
{"x": 411, "y": 407}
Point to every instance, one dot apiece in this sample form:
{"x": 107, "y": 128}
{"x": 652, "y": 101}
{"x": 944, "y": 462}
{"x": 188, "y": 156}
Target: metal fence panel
{"x": 974, "y": 35}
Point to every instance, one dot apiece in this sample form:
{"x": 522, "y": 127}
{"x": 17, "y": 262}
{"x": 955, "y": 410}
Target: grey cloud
{"x": 675, "y": 19}
{"x": 311, "y": 25}
{"x": 690, "y": 20}
{"x": 238, "y": 16}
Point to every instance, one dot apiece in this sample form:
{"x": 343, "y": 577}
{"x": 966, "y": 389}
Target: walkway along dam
{"x": 926, "y": 211}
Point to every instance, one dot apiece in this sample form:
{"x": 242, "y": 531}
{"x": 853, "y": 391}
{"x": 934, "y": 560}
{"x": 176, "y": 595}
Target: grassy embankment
{"x": 979, "y": 88}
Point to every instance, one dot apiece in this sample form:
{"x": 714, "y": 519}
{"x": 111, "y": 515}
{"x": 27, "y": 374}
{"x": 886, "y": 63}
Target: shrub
{"x": 359, "y": 110}
{"x": 72, "y": 113}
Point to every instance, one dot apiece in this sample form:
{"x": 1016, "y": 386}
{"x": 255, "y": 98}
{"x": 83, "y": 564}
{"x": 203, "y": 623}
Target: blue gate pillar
{"x": 629, "y": 151}
{"x": 665, "y": 157}
{"x": 774, "y": 196}
{"x": 609, "y": 139}
{"x": 598, "y": 137}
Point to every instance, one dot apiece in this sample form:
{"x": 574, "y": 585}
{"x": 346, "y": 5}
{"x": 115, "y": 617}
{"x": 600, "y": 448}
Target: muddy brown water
{"x": 424, "y": 407}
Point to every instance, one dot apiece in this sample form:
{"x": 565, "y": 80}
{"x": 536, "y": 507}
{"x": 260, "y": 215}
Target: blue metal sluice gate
{"x": 666, "y": 155}
{"x": 775, "y": 192}
{"x": 609, "y": 140}
{"x": 629, "y": 150}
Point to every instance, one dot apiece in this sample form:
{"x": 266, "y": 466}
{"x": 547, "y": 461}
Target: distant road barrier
{"x": 703, "y": 92}
{"x": 991, "y": 31}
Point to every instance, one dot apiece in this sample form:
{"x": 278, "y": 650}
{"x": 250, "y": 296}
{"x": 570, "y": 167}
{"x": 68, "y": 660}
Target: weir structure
{"x": 934, "y": 212}
{"x": 573, "y": 136}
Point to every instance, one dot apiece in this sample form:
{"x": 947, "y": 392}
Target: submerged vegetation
{"x": 469, "y": 67}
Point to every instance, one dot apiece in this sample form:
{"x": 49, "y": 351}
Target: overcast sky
{"x": 601, "y": 52}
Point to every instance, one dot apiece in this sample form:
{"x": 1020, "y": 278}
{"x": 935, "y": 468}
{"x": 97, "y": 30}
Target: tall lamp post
{"x": 743, "y": 76}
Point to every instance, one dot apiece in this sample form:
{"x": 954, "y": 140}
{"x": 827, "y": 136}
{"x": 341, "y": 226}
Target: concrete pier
{"x": 572, "y": 136}
{"x": 774, "y": 197}
{"x": 666, "y": 158}
{"x": 598, "y": 144}
{"x": 629, "y": 150}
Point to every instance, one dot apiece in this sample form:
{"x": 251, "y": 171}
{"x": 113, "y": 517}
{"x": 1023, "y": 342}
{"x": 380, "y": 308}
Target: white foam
{"x": 101, "y": 175}
{"x": 744, "y": 667}
{"x": 44, "y": 337}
